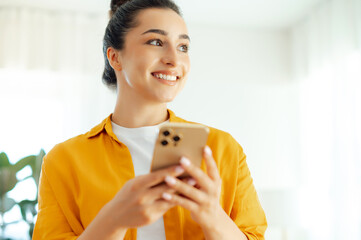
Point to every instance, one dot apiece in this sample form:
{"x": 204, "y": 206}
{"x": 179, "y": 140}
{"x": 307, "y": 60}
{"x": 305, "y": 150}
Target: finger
{"x": 157, "y": 177}
{"x": 153, "y": 194}
{"x": 190, "y": 181}
{"x": 163, "y": 205}
{"x": 186, "y": 190}
{"x": 159, "y": 207}
{"x": 195, "y": 172}
{"x": 212, "y": 169}
{"x": 181, "y": 201}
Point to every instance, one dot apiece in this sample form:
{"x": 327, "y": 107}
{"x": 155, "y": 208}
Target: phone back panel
{"x": 176, "y": 140}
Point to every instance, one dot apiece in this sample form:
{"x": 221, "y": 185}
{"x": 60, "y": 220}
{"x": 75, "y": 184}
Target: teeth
{"x": 166, "y": 77}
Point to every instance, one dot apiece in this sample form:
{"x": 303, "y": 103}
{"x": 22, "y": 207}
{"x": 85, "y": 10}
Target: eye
{"x": 184, "y": 48}
{"x": 155, "y": 42}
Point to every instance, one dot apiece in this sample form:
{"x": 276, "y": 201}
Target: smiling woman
{"x": 153, "y": 63}
{"x": 98, "y": 184}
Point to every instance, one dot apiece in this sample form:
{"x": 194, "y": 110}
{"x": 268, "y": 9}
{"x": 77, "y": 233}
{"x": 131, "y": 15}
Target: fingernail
{"x": 185, "y": 161}
{"x": 179, "y": 169}
{"x": 170, "y": 180}
{"x": 192, "y": 182}
{"x": 166, "y": 196}
{"x": 208, "y": 150}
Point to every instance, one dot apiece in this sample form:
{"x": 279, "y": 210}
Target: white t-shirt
{"x": 140, "y": 142}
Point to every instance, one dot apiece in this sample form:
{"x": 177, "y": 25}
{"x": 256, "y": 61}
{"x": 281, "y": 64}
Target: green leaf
{"x": 6, "y": 204}
{"x": 19, "y": 165}
{"x": 28, "y": 206}
{"x": 4, "y": 160}
{"x": 8, "y": 180}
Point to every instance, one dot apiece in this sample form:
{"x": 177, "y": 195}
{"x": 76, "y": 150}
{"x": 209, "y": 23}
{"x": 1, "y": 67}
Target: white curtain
{"x": 50, "y": 85}
{"x": 66, "y": 41}
{"x": 51, "y": 63}
{"x": 327, "y": 64}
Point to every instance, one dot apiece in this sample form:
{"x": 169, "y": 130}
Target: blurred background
{"x": 282, "y": 76}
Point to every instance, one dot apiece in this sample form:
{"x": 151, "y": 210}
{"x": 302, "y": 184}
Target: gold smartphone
{"x": 176, "y": 140}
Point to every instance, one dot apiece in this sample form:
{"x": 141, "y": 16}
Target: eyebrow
{"x": 162, "y": 32}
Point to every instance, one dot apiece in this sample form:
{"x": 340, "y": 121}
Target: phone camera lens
{"x": 166, "y": 133}
{"x": 164, "y": 142}
{"x": 176, "y": 138}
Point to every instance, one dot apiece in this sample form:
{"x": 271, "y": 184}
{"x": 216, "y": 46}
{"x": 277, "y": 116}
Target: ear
{"x": 113, "y": 56}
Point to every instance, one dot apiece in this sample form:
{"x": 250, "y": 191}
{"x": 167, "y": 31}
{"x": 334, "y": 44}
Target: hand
{"x": 140, "y": 201}
{"x": 203, "y": 199}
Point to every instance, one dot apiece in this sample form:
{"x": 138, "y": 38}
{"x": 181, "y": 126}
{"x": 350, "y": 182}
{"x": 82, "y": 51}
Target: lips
{"x": 166, "y": 75}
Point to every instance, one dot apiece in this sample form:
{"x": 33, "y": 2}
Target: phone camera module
{"x": 164, "y": 142}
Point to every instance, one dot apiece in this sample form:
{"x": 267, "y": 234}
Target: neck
{"x": 139, "y": 113}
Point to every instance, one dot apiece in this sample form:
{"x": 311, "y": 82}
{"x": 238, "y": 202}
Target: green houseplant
{"x": 27, "y": 207}
{"x": 9, "y": 180}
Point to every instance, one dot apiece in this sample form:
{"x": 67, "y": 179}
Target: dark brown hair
{"x": 123, "y": 15}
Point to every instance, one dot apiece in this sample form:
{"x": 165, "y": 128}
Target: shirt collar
{"x": 106, "y": 125}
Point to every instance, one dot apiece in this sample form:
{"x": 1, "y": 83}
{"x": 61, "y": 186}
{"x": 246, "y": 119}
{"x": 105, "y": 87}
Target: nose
{"x": 170, "y": 57}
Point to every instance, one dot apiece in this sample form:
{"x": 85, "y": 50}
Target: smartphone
{"x": 176, "y": 140}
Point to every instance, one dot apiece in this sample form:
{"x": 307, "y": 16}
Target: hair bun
{"x": 114, "y": 4}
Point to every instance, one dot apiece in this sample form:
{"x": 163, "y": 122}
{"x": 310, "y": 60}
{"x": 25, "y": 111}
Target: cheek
{"x": 139, "y": 67}
{"x": 145, "y": 63}
{"x": 187, "y": 64}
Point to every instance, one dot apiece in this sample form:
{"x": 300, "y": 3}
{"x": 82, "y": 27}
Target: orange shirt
{"x": 82, "y": 174}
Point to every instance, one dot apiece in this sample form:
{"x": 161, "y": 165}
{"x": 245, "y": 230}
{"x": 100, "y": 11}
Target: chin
{"x": 166, "y": 99}
{"x": 165, "y": 96}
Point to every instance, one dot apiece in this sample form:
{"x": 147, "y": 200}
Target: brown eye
{"x": 155, "y": 42}
{"x": 184, "y": 48}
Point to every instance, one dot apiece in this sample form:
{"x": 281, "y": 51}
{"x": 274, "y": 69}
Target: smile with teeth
{"x": 165, "y": 77}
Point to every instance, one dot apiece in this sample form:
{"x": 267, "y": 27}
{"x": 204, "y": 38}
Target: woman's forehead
{"x": 163, "y": 19}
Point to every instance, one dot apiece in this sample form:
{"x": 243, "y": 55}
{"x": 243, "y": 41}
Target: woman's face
{"x": 154, "y": 60}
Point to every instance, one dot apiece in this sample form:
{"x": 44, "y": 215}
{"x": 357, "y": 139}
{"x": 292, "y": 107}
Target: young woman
{"x": 98, "y": 186}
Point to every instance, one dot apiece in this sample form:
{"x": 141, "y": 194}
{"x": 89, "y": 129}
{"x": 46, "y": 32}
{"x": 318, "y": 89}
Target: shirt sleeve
{"x": 51, "y": 222}
{"x": 247, "y": 211}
